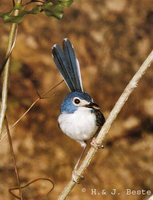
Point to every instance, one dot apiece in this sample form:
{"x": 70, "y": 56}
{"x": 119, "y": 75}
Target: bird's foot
{"x": 76, "y": 177}
{"x": 96, "y": 145}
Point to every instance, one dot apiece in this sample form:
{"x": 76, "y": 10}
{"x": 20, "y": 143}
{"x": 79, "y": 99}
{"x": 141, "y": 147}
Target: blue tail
{"x": 68, "y": 65}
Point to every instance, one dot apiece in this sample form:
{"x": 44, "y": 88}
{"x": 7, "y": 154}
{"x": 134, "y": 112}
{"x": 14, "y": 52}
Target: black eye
{"x": 76, "y": 101}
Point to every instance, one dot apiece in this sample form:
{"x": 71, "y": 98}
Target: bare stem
{"x": 14, "y": 159}
{"x": 106, "y": 127}
{"x": 30, "y": 107}
{"x": 12, "y": 37}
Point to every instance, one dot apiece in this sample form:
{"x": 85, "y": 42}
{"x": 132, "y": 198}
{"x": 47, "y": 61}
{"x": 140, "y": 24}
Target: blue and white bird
{"x": 80, "y": 117}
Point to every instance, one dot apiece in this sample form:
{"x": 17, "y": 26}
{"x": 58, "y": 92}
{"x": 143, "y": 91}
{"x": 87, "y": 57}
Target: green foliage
{"x": 51, "y": 8}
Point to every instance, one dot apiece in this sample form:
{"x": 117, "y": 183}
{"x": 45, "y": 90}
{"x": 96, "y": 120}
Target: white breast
{"x": 80, "y": 125}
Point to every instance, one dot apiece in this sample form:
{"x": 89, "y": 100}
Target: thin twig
{"x": 30, "y": 107}
{"x": 9, "y": 53}
{"x": 106, "y": 127}
{"x": 14, "y": 159}
{"x": 6, "y": 71}
{"x": 19, "y": 187}
{"x": 13, "y": 3}
{"x": 11, "y": 190}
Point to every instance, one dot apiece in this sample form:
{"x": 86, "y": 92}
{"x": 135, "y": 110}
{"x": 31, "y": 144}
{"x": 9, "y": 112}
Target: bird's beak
{"x": 93, "y": 105}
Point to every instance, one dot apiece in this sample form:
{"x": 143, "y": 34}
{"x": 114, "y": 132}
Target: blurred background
{"x": 112, "y": 38}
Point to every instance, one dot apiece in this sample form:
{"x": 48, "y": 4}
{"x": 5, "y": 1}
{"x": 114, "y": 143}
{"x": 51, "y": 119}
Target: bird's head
{"x": 75, "y": 100}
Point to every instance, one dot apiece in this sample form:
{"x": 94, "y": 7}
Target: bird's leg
{"x": 82, "y": 153}
{"x": 75, "y": 175}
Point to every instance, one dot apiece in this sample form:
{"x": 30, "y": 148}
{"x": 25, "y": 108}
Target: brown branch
{"x": 14, "y": 158}
{"x": 11, "y": 190}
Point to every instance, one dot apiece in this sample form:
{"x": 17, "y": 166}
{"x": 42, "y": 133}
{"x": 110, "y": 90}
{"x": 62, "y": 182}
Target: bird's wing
{"x": 100, "y": 119}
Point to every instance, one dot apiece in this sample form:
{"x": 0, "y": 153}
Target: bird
{"x": 80, "y": 117}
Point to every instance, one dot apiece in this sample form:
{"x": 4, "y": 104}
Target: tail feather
{"x": 73, "y": 64}
{"x": 68, "y": 65}
{"x": 61, "y": 64}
